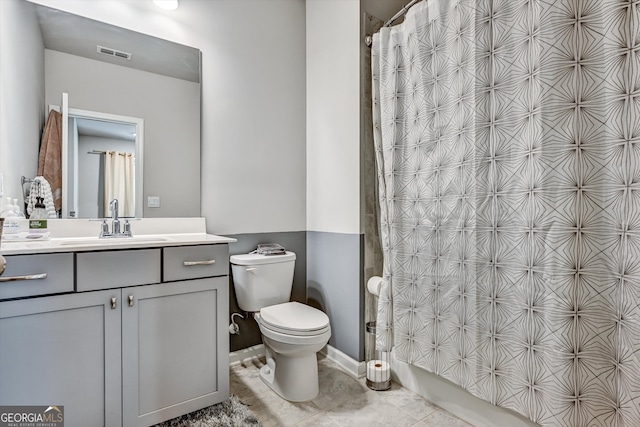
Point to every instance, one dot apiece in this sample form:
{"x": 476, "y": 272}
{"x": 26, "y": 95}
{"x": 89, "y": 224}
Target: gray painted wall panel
{"x": 294, "y": 241}
{"x": 335, "y": 285}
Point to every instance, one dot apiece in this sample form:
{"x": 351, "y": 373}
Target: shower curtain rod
{"x": 104, "y": 152}
{"x": 401, "y": 12}
{"x": 369, "y": 39}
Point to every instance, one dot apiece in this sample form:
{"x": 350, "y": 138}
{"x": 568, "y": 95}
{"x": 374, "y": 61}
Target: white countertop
{"x": 78, "y": 235}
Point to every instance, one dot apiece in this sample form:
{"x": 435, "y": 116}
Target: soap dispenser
{"x": 38, "y": 218}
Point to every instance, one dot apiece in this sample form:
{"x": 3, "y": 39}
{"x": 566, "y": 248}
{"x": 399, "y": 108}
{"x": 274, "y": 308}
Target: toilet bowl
{"x": 292, "y": 332}
{"x": 292, "y": 365}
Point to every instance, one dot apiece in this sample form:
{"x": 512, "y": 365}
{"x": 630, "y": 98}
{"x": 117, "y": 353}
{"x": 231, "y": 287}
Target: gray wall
{"x": 330, "y": 280}
{"x": 171, "y": 112}
{"x": 383, "y": 9}
{"x": 253, "y": 95}
{"x": 335, "y": 285}
{"x": 294, "y": 241}
{"x": 22, "y": 93}
{"x": 341, "y": 178}
{"x": 369, "y": 208}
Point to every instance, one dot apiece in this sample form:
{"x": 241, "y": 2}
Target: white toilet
{"x": 292, "y": 332}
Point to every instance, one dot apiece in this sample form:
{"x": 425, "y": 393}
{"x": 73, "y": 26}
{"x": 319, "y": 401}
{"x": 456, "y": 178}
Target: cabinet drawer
{"x": 117, "y": 269}
{"x": 193, "y": 262}
{"x": 37, "y": 275}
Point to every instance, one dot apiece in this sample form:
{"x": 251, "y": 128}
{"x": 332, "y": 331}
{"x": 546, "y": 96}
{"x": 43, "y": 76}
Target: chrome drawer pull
{"x": 190, "y": 263}
{"x": 27, "y": 277}
{"x": 114, "y": 303}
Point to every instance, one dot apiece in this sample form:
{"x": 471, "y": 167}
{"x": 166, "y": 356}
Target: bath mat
{"x": 226, "y": 414}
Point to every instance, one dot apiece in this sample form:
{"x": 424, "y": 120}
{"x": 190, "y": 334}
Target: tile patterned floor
{"x": 342, "y": 401}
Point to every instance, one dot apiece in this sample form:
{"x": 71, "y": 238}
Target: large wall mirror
{"x": 110, "y": 72}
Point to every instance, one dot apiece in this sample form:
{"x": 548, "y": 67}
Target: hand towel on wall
{"x": 50, "y": 158}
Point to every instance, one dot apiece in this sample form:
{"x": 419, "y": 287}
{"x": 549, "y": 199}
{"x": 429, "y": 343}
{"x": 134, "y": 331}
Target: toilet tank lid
{"x": 256, "y": 259}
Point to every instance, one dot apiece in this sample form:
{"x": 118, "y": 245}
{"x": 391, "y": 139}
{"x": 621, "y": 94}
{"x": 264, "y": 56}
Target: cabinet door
{"x": 175, "y": 349}
{"x": 63, "y": 350}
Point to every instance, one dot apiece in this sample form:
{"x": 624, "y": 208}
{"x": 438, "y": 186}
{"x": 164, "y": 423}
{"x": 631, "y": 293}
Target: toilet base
{"x": 293, "y": 378}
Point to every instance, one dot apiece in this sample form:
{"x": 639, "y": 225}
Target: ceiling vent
{"x": 113, "y": 52}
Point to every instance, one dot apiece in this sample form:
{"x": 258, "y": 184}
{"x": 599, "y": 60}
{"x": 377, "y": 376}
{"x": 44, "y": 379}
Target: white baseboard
{"x": 349, "y": 365}
{"x": 246, "y": 354}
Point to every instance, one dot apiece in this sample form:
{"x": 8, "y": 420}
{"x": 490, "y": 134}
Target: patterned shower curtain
{"x": 507, "y": 137}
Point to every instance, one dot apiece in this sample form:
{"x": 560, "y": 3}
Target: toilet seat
{"x": 294, "y": 318}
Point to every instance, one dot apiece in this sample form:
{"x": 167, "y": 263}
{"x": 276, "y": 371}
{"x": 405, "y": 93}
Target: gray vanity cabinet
{"x": 170, "y": 345}
{"x": 141, "y": 339}
{"x": 63, "y": 350}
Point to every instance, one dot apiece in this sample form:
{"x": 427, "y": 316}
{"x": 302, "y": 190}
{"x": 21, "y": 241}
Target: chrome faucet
{"x": 115, "y": 224}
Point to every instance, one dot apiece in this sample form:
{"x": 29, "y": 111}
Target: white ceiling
{"x": 92, "y": 127}
{"x": 77, "y": 35}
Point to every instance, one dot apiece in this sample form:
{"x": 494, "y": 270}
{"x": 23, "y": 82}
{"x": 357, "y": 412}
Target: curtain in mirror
{"x": 119, "y": 182}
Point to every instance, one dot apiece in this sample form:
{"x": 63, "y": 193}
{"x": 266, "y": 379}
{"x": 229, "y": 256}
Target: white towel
{"x": 40, "y": 188}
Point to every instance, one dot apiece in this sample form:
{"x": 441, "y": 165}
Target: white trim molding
{"x": 349, "y": 365}
{"x": 246, "y": 354}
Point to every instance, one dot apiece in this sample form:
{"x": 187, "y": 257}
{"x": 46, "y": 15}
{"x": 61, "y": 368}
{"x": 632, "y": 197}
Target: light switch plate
{"x": 153, "y": 202}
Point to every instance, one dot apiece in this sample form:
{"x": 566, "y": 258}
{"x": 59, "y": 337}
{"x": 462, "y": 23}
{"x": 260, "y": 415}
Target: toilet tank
{"x": 262, "y": 280}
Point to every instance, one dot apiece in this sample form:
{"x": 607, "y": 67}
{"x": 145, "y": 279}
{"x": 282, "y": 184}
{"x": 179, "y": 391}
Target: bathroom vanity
{"x": 123, "y": 332}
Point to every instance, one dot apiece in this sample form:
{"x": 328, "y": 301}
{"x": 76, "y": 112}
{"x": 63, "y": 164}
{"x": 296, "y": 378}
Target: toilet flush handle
{"x": 252, "y": 270}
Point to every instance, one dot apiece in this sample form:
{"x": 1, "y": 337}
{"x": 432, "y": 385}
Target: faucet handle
{"x": 104, "y": 227}
{"x": 127, "y": 227}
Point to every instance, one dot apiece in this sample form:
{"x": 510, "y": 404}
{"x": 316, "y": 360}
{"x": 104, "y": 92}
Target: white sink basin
{"x": 113, "y": 241}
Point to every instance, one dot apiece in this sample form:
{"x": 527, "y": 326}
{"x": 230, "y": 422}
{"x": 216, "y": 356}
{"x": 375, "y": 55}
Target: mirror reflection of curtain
{"x": 119, "y": 182}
